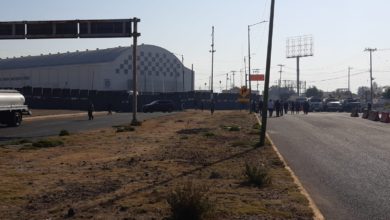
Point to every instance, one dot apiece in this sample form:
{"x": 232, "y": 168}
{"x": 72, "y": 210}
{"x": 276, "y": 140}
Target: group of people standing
{"x": 283, "y": 107}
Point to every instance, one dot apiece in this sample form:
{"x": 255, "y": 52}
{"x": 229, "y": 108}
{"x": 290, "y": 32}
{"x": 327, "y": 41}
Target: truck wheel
{"x": 16, "y": 119}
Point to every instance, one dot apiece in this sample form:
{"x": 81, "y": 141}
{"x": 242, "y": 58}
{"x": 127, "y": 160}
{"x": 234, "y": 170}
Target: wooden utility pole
{"x": 267, "y": 76}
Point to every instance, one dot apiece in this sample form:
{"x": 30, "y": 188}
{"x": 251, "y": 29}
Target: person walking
{"x": 285, "y": 106}
{"x": 212, "y": 107}
{"x": 254, "y": 106}
{"x": 261, "y": 107}
{"x": 306, "y": 107}
{"x": 292, "y": 107}
{"x": 91, "y": 109}
{"x": 277, "y": 108}
{"x": 281, "y": 107}
{"x": 297, "y": 107}
{"x": 270, "y": 108}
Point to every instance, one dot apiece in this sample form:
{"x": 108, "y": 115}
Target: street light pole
{"x": 182, "y": 66}
{"x": 246, "y": 84}
{"x": 212, "y": 66}
{"x": 249, "y": 63}
{"x": 280, "y": 78}
{"x": 349, "y": 80}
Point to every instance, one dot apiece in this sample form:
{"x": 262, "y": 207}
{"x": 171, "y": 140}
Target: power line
{"x": 340, "y": 77}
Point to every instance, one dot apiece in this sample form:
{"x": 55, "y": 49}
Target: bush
{"x": 215, "y": 175}
{"x": 189, "y": 202}
{"x": 47, "y": 143}
{"x": 120, "y": 129}
{"x": 136, "y": 123}
{"x": 209, "y": 134}
{"x": 234, "y": 128}
{"x": 258, "y": 176}
{"x": 256, "y": 126}
{"x": 231, "y": 128}
{"x": 64, "y": 133}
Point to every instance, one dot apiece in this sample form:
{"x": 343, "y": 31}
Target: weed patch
{"x": 256, "y": 126}
{"x": 193, "y": 131}
{"x": 240, "y": 143}
{"x": 44, "y": 143}
{"x": 215, "y": 175}
{"x": 124, "y": 128}
{"x": 257, "y": 175}
{"x": 64, "y": 133}
{"x": 18, "y": 142}
{"x": 209, "y": 134}
{"x": 231, "y": 128}
{"x": 190, "y": 202}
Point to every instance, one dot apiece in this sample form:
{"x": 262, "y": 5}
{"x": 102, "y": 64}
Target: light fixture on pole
{"x": 249, "y": 62}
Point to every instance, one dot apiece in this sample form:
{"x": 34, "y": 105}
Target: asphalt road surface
{"x": 48, "y": 127}
{"x": 343, "y": 162}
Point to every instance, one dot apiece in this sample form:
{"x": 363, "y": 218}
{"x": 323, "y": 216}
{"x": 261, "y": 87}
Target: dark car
{"x": 159, "y": 106}
{"x": 351, "y": 104}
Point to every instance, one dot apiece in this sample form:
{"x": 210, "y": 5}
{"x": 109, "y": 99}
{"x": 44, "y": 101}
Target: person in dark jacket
{"x": 297, "y": 107}
{"x": 91, "y": 109}
{"x": 270, "y": 107}
{"x": 285, "y": 106}
{"x": 281, "y": 107}
{"x": 306, "y": 107}
{"x": 261, "y": 107}
{"x": 292, "y": 107}
{"x": 277, "y": 108}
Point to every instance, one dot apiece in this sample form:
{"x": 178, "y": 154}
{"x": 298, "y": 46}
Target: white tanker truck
{"x": 12, "y": 107}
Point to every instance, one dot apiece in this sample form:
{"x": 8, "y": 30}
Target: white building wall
{"x": 158, "y": 71}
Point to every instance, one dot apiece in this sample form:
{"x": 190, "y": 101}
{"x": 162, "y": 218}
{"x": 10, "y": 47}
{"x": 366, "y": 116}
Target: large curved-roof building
{"x": 103, "y": 69}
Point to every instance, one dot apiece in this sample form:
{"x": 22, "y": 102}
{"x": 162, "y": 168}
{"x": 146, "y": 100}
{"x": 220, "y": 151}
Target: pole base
{"x": 134, "y": 122}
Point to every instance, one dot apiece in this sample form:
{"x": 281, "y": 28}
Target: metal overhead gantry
{"x": 60, "y": 29}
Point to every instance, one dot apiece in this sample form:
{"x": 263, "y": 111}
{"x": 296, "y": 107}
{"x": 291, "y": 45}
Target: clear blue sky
{"x": 342, "y": 29}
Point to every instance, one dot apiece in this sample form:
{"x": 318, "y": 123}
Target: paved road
{"x": 49, "y": 127}
{"x": 343, "y": 162}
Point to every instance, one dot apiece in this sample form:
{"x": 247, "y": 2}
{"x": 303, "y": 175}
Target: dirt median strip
{"x": 317, "y": 213}
{"x": 143, "y": 172}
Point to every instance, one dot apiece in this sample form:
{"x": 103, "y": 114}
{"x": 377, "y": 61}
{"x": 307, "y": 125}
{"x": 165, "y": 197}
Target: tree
{"x": 364, "y": 92}
{"x": 386, "y": 95}
{"x": 314, "y": 92}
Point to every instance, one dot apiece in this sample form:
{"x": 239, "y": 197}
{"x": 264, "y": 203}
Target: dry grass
{"x": 108, "y": 175}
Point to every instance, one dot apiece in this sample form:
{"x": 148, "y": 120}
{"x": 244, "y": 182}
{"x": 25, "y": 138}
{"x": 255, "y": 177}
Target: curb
{"x": 317, "y": 213}
{"x": 36, "y": 118}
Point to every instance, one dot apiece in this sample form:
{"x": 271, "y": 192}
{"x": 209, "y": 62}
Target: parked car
{"x": 315, "y": 104}
{"x": 335, "y": 106}
{"x": 159, "y": 106}
{"x": 351, "y": 104}
{"x": 326, "y": 101}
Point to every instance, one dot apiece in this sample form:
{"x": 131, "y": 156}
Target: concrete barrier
{"x": 354, "y": 113}
{"x": 365, "y": 114}
{"x": 385, "y": 117}
{"x": 373, "y": 116}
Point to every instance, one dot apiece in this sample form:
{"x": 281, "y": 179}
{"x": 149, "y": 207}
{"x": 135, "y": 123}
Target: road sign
{"x": 256, "y": 77}
{"x": 67, "y": 29}
{"x": 244, "y": 92}
{"x": 51, "y": 29}
{"x": 244, "y": 95}
{"x": 105, "y": 28}
{"x": 12, "y": 30}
